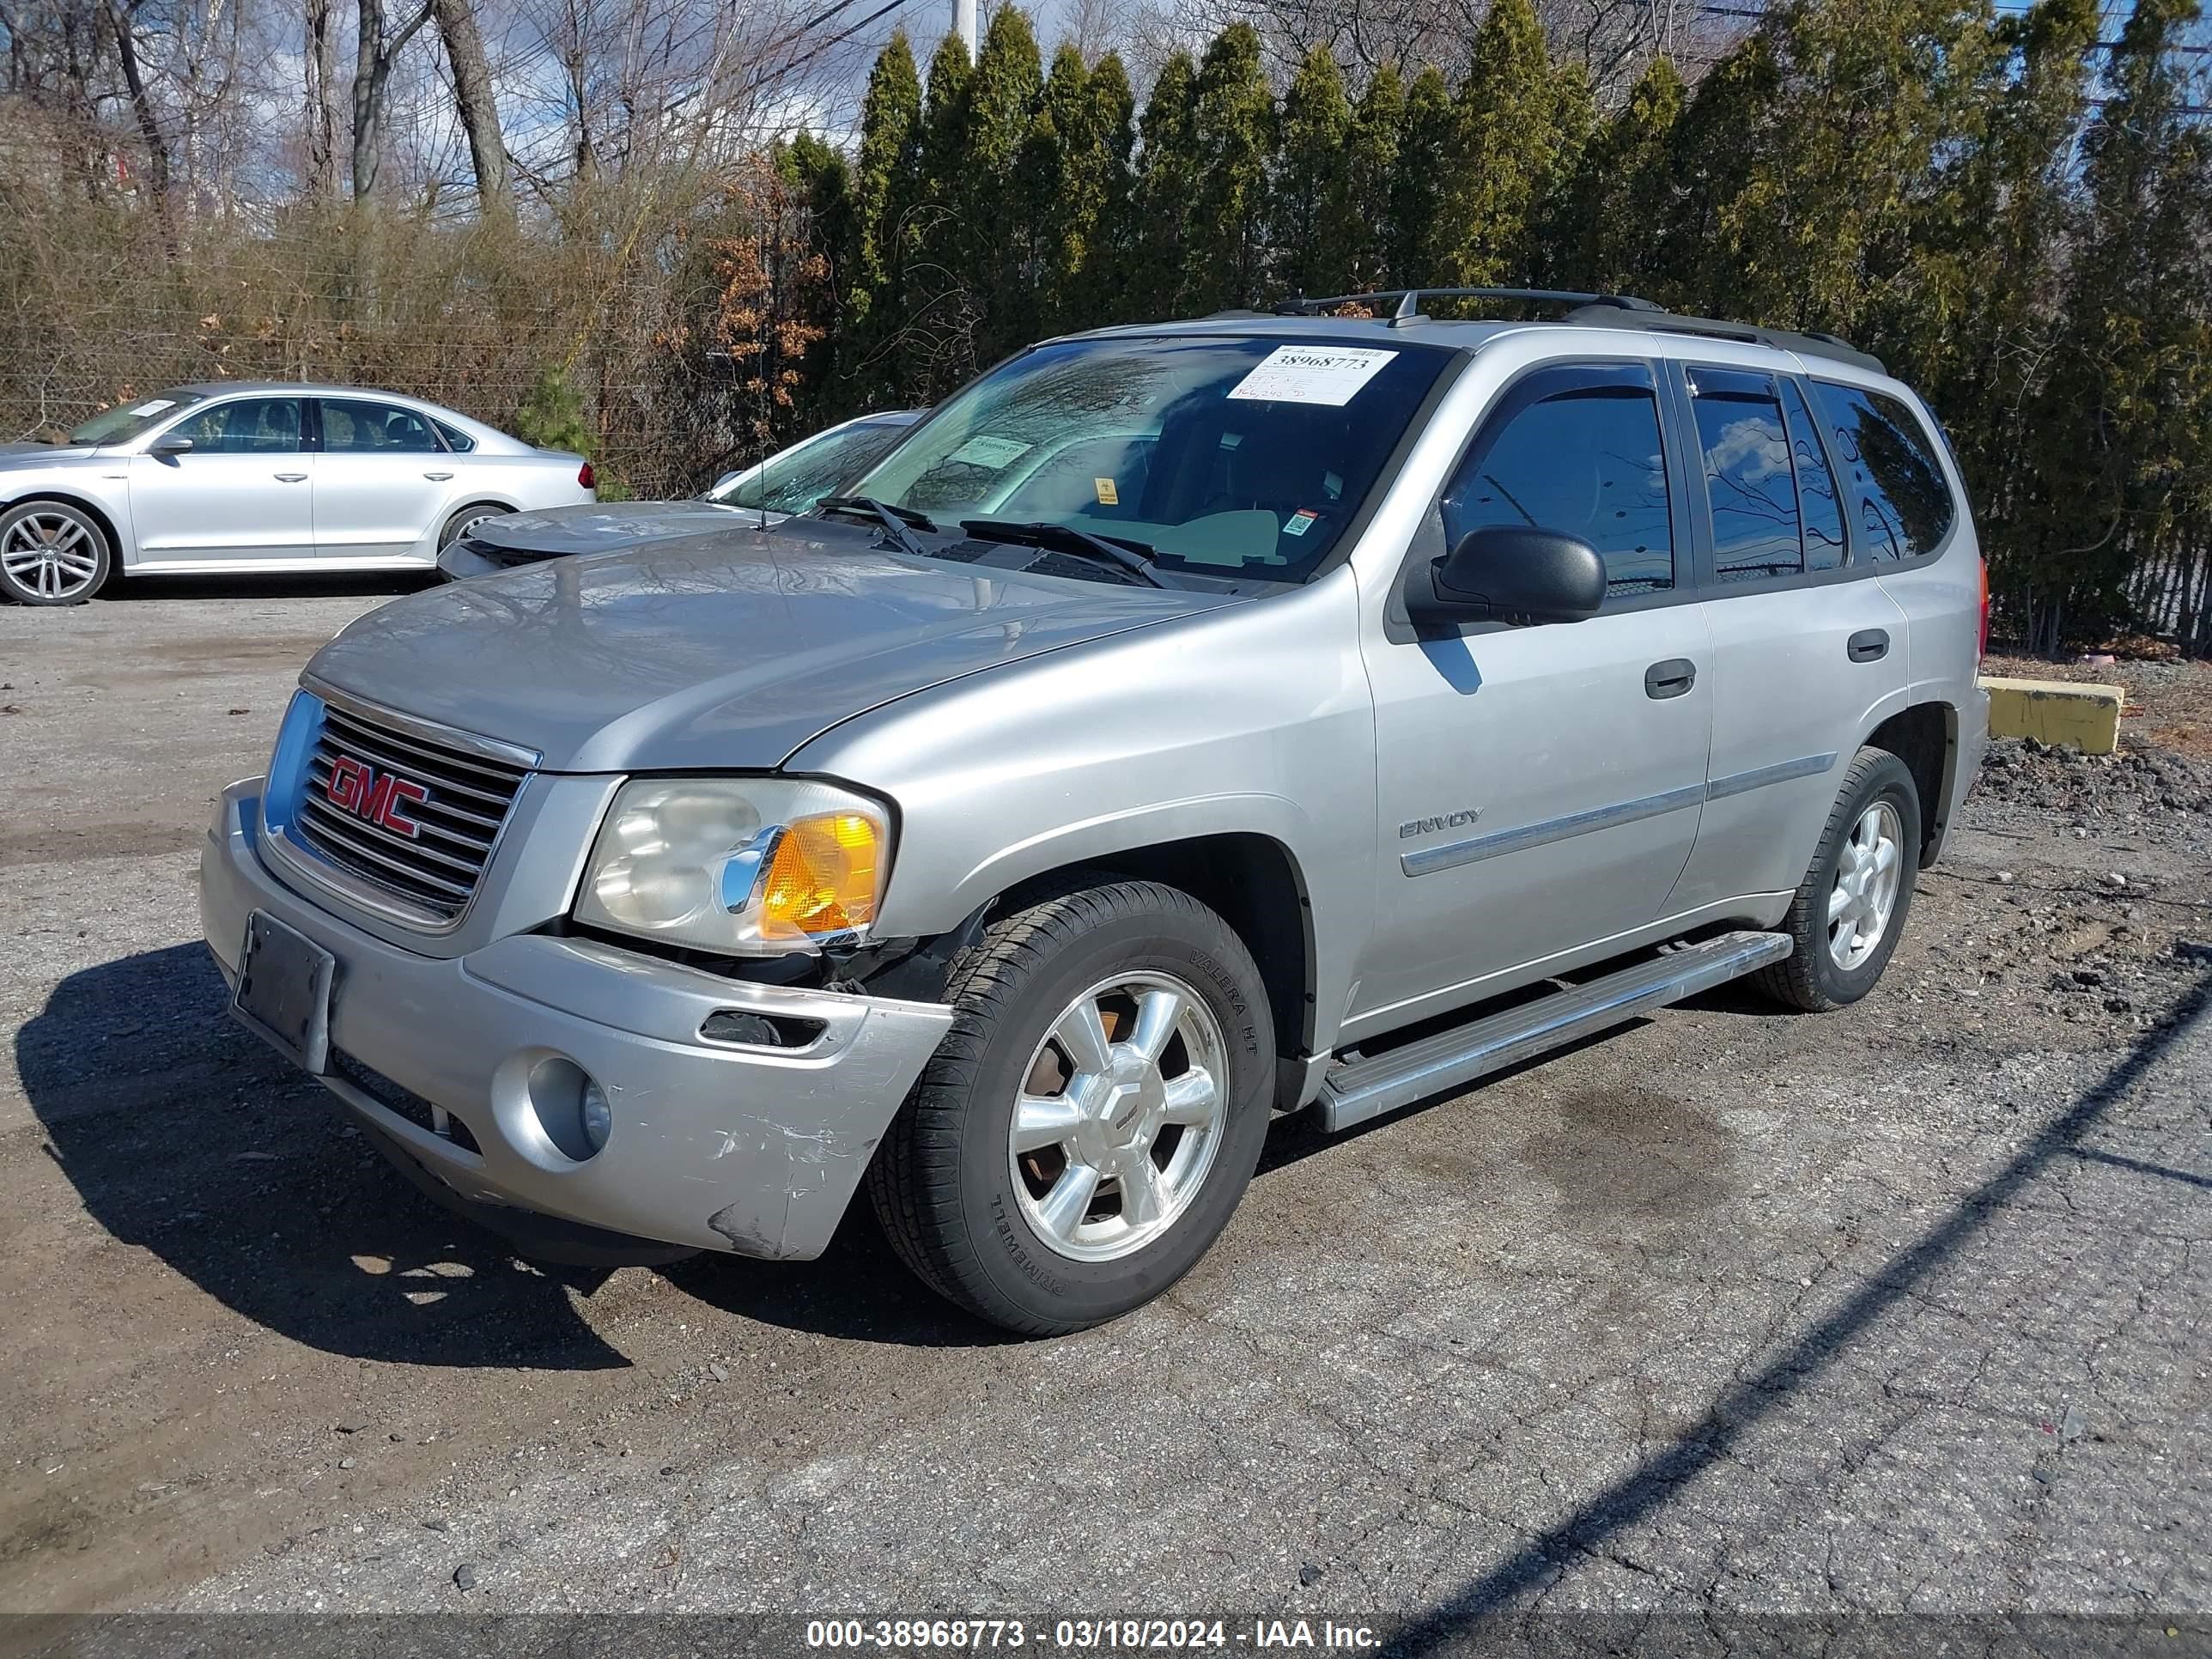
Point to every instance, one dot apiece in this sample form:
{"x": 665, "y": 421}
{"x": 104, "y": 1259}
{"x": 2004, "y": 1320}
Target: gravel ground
{"x": 1899, "y": 1310}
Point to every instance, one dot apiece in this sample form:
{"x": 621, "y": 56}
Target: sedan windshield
{"x": 1242, "y": 457}
{"x": 802, "y": 474}
{"x": 124, "y": 422}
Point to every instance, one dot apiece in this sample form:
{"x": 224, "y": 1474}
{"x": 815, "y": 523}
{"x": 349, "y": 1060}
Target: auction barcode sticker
{"x": 1311, "y": 374}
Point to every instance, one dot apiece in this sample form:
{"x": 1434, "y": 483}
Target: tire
{"x": 1821, "y": 974}
{"x": 468, "y": 518}
{"x": 973, "y": 1215}
{"x": 53, "y": 553}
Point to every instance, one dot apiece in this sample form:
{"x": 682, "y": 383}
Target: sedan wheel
{"x": 50, "y": 554}
{"x": 464, "y": 521}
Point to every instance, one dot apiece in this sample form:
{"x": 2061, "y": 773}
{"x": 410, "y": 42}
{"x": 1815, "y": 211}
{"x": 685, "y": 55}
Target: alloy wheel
{"x": 1869, "y": 871}
{"x": 1120, "y": 1117}
{"x": 50, "y": 554}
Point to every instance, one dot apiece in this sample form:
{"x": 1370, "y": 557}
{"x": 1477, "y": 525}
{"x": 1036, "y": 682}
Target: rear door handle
{"x": 1671, "y": 679}
{"x": 290, "y": 477}
{"x": 1870, "y": 645}
{"x": 438, "y": 478}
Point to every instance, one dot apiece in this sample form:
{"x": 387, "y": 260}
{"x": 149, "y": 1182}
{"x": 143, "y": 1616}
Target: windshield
{"x": 802, "y": 474}
{"x": 127, "y": 421}
{"x": 1246, "y": 457}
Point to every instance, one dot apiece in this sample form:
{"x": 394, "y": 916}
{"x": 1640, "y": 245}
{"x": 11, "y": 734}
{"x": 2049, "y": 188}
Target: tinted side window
{"x": 362, "y": 428}
{"x": 244, "y": 426}
{"x": 1575, "y": 449}
{"x": 456, "y": 440}
{"x": 1749, "y": 482}
{"x": 1893, "y": 486}
{"x": 1817, "y": 506}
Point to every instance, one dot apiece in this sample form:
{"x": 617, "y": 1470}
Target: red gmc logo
{"x": 362, "y": 790}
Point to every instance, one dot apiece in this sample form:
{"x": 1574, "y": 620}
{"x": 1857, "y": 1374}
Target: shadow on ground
{"x": 1476, "y": 1611}
{"x": 184, "y": 1136}
{"x": 307, "y": 584}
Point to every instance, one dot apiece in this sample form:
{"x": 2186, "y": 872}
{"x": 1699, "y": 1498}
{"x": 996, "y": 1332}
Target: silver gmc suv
{"x": 1182, "y": 724}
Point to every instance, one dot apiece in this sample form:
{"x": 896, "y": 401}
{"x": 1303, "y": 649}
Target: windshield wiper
{"x": 1134, "y": 558}
{"x": 895, "y": 520}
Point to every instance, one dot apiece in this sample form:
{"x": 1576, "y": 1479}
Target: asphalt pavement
{"x": 1900, "y": 1310}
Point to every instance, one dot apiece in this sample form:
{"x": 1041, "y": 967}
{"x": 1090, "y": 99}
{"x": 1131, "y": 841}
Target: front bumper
{"x": 715, "y": 1146}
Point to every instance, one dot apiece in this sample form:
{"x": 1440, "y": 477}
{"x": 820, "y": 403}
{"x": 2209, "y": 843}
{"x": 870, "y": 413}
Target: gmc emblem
{"x": 361, "y": 789}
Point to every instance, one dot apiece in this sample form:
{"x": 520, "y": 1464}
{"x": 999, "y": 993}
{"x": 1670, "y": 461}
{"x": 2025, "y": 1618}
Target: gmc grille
{"x": 465, "y": 799}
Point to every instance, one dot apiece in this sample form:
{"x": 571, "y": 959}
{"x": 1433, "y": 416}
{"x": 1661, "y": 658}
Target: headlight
{"x": 750, "y": 867}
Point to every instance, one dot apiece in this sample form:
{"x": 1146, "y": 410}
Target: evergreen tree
{"x": 1505, "y": 147}
{"x": 2122, "y": 415}
{"x": 1314, "y": 254}
{"x": 1990, "y": 266}
{"x": 935, "y": 347}
{"x": 886, "y": 191}
{"x": 1167, "y": 182}
{"x": 1005, "y": 173}
{"x": 1100, "y": 293}
{"x": 1555, "y": 254}
{"x": 1710, "y": 156}
{"x": 1232, "y": 133}
{"x": 1357, "y": 218}
{"x": 1631, "y": 186}
{"x": 1413, "y": 249}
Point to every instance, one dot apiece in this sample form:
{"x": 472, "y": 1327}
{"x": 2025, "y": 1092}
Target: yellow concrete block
{"x": 2056, "y": 711}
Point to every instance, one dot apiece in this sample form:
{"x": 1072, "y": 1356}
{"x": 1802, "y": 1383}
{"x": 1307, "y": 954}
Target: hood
{"x": 723, "y": 652}
{"x": 593, "y": 528}
{"x": 40, "y": 454}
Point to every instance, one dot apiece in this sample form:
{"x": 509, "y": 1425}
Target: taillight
{"x": 1983, "y": 649}
{"x": 584, "y": 478}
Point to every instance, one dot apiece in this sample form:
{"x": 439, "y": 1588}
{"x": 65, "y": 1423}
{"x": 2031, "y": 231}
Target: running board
{"x": 1355, "y": 1090}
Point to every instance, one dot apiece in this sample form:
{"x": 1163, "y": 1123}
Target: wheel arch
{"x": 1925, "y": 736}
{"x": 470, "y": 506}
{"x": 84, "y": 504}
{"x": 1253, "y": 881}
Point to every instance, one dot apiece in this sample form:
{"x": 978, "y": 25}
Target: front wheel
{"x": 1849, "y": 911}
{"x": 52, "y": 553}
{"x": 1093, "y": 1116}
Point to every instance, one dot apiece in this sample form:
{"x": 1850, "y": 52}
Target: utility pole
{"x": 963, "y": 25}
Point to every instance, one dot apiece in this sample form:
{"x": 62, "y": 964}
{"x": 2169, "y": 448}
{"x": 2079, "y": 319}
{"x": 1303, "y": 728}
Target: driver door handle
{"x": 1671, "y": 679}
{"x": 290, "y": 477}
{"x": 437, "y": 477}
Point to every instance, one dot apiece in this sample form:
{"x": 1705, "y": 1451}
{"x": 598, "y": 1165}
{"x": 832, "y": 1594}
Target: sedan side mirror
{"x": 1510, "y": 573}
{"x": 169, "y": 448}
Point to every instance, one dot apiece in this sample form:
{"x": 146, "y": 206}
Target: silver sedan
{"x": 268, "y": 478}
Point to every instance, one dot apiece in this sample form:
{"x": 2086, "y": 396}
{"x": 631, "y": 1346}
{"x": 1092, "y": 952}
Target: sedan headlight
{"x": 749, "y": 866}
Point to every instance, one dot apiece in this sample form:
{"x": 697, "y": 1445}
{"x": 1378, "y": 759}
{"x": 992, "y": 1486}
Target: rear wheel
{"x": 52, "y": 553}
{"x": 1849, "y": 911}
{"x": 467, "y": 519}
{"x": 1091, "y": 1119}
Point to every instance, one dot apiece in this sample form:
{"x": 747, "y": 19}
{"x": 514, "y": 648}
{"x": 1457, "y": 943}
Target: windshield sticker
{"x": 1301, "y": 522}
{"x": 1109, "y": 493}
{"x": 991, "y": 452}
{"x": 1311, "y": 374}
{"x": 155, "y": 407}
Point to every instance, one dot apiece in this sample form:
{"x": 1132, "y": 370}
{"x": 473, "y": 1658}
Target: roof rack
{"x": 1409, "y": 301}
{"x": 1811, "y": 343}
{"x": 1606, "y": 309}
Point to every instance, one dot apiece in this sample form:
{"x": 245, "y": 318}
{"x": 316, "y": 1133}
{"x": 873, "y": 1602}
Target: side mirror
{"x": 170, "y": 448}
{"x": 1510, "y": 573}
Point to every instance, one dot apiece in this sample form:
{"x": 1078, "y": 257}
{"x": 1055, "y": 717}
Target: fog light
{"x": 599, "y": 1114}
{"x": 571, "y": 1108}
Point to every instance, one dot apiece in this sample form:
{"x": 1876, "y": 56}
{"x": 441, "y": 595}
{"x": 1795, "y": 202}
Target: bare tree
{"x": 321, "y": 69}
{"x": 121, "y": 21}
{"x": 374, "y": 53}
{"x": 479, "y": 108}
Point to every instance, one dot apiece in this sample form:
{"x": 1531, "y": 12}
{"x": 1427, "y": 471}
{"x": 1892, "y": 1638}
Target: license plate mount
{"x": 284, "y": 992}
